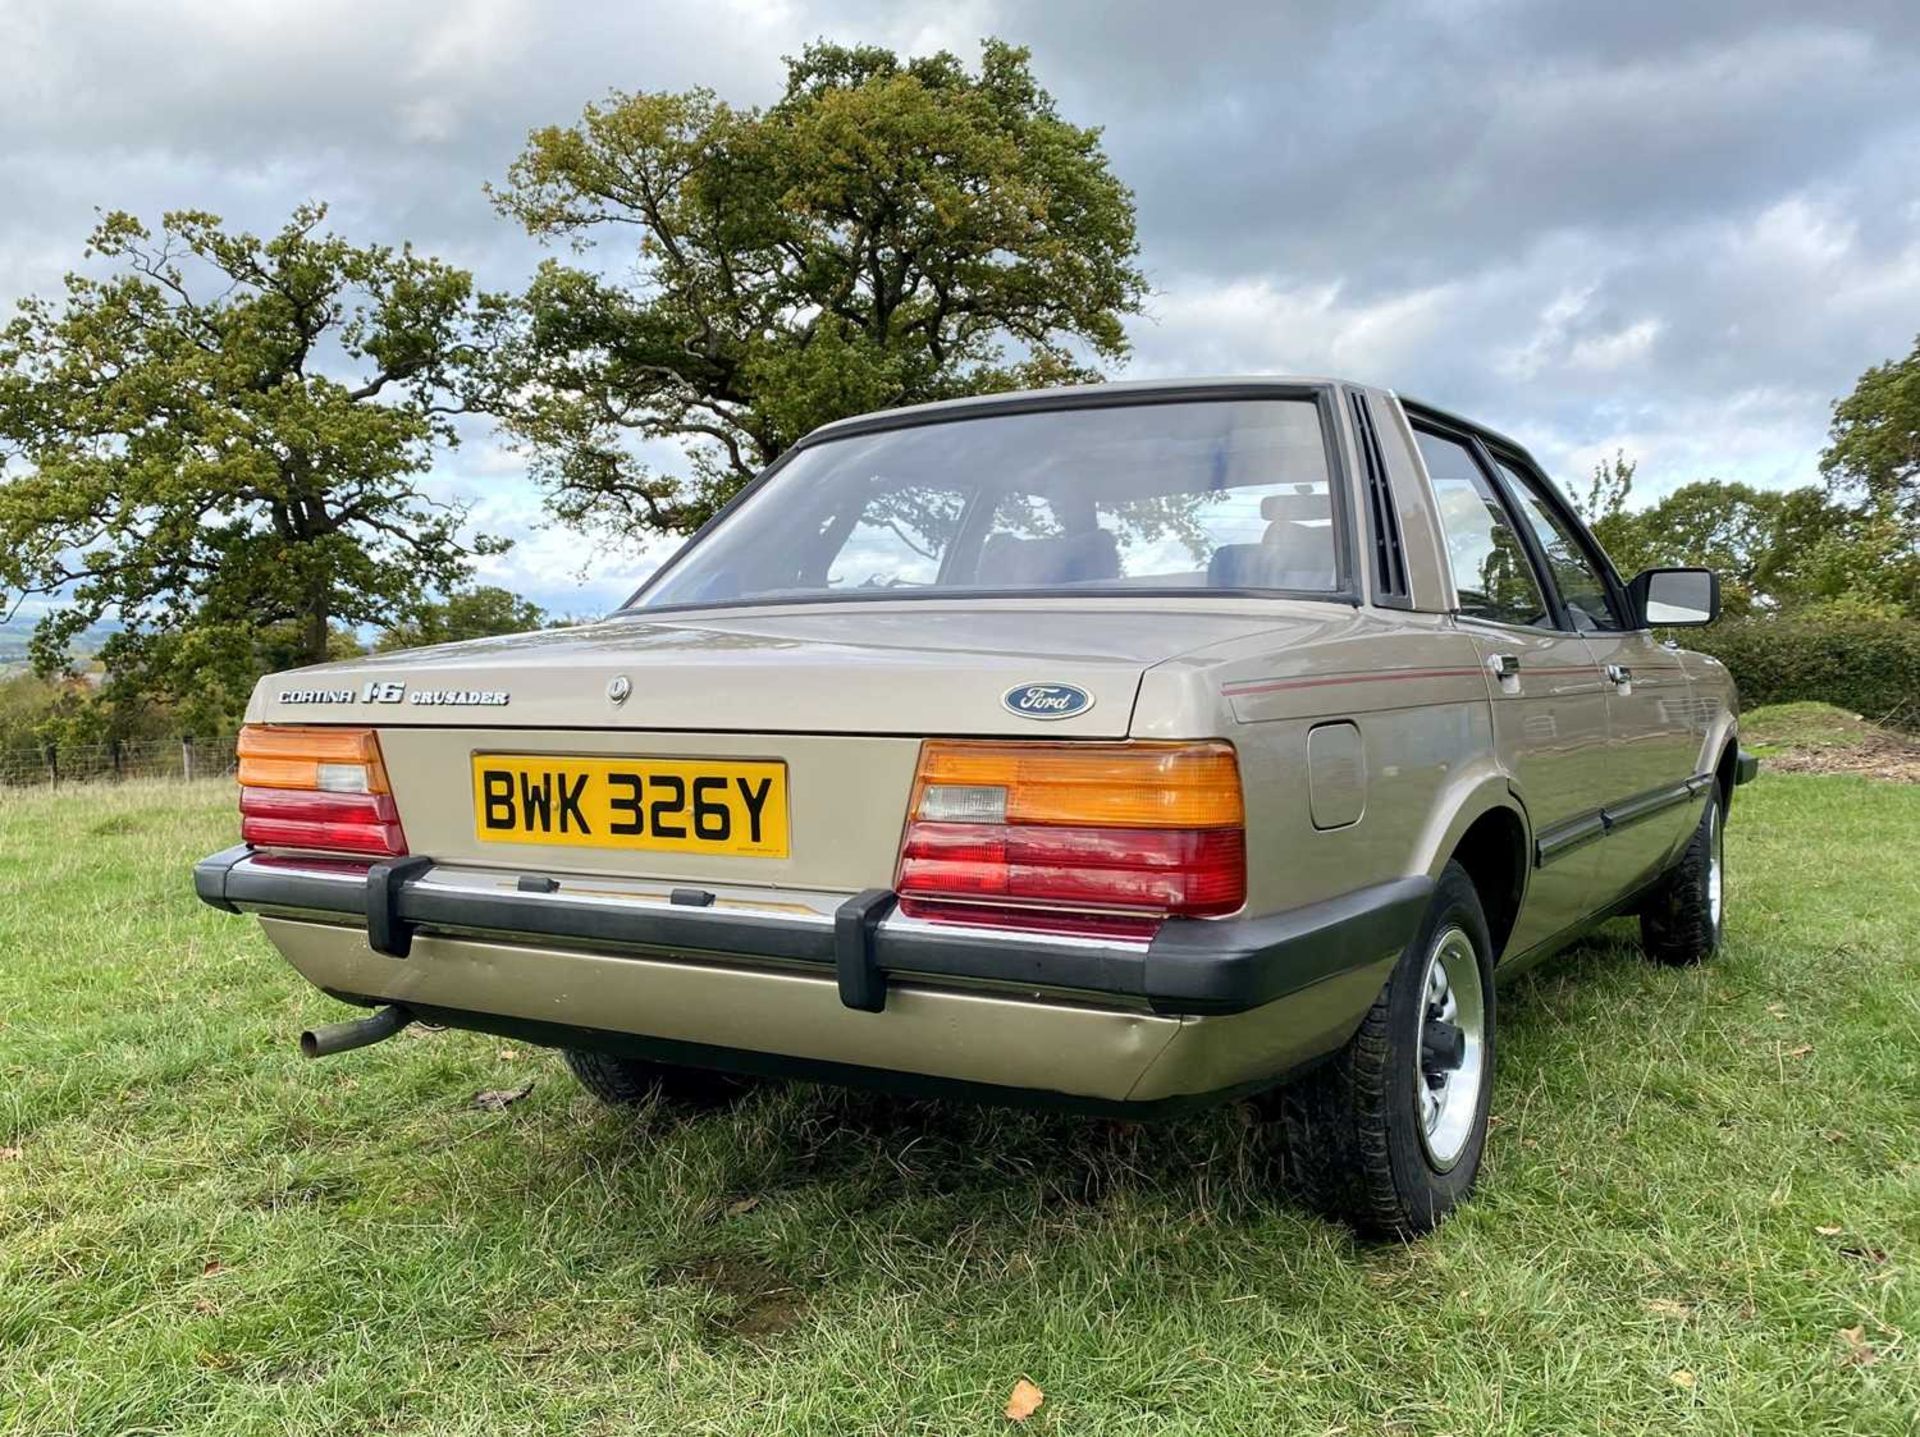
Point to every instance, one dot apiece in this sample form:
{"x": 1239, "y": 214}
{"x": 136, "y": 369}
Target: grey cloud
{"x": 1684, "y": 227}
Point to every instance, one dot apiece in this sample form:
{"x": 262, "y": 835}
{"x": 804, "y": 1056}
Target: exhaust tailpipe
{"x": 359, "y": 1033}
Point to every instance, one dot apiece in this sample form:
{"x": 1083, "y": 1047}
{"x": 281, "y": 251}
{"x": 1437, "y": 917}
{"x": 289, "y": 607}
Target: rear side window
{"x": 1589, "y": 601}
{"x": 1491, "y": 572}
{"x": 1203, "y": 494}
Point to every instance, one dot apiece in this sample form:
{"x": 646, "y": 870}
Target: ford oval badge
{"x": 1046, "y": 701}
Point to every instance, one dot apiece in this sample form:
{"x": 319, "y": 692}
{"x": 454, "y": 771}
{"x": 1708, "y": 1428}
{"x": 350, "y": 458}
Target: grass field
{"x": 1701, "y": 1211}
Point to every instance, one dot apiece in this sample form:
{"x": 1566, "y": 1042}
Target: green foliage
{"x": 1761, "y": 542}
{"x": 218, "y": 443}
{"x": 31, "y": 708}
{"x": 1605, "y": 508}
{"x": 1775, "y": 550}
{"x": 889, "y": 232}
{"x": 1859, "y": 658}
{"x": 68, "y": 711}
{"x": 1874, "y": 451}
{"x": 475, "y": 613}
{"x": 1874, "y": 457}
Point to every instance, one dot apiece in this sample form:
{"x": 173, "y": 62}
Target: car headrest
{"x": 1302, "y": 559}
{"x": 1009, "y": 562}
{"x": 1295, "y": 506}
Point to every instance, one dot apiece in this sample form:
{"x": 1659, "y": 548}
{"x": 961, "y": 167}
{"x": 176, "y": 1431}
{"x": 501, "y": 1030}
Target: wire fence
{"x": 182, "y": 759}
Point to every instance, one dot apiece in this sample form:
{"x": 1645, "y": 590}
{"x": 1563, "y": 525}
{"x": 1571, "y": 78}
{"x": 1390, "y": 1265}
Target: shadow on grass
{"x": 909, "y": 1165}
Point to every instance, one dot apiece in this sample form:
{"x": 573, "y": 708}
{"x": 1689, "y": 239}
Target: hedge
{"x": 1868, "y": 665}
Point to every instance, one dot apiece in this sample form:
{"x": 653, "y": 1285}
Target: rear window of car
{"x": 1195, "y": 495}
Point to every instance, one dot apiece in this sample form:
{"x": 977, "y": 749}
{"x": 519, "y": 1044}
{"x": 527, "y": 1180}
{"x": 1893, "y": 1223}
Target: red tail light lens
{"x": 1192, "y": 871}
{"x": 1085, "y": 838}
{"x": 317, "y": 789}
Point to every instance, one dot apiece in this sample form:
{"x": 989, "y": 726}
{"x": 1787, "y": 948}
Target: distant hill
{"x": 14, "y": 637}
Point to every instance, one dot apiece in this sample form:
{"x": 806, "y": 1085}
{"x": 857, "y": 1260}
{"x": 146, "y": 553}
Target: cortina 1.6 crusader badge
{"x": 618, "y": 687}
{"x": 395, "y": 691}
{"x": 1046, "y": 701}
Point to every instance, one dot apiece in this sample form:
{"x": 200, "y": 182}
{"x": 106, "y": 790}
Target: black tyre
{"x": 1388, "y": 1134}
{"x": 1680, "y": 921}
{"x": 628, "y": 1082}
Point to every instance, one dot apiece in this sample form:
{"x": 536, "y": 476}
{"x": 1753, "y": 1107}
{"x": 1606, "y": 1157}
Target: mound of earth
{"x": 1819, "y": 738}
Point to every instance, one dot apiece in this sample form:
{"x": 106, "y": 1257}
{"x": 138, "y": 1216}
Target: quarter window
{"x": 1491, "y": 573}
{"x": 1589, "y": 602}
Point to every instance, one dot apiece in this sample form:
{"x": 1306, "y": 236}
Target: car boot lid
{"x": 1069, "y": 670}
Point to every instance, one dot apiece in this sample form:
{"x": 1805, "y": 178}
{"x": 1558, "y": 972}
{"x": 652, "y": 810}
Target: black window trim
{"x": 1446, "y": 427}
{"x": 1386, "y": 549}
{"x": 1321, "y": 395}
{"x": 1506, "y": 452}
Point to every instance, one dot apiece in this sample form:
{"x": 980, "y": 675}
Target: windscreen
{"x": 1204, "y": 494}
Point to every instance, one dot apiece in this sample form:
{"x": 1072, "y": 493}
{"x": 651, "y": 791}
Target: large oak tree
{"x": 888, "y": 232}
{"x": 1874, "y": 457}
{"x": 218, "y": 443}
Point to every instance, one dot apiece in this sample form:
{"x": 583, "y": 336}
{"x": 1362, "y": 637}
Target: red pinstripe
{"x": 1267, "y": 686}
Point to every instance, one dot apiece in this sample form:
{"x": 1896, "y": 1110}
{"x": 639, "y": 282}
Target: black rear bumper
{"x": 1191, "y": 966}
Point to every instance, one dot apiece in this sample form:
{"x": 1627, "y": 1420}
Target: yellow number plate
{"x": 677, "y": 805}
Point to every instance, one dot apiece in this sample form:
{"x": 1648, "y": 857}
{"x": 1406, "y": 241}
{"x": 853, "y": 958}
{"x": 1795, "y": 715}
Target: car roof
{"x": 1074, "y": 396}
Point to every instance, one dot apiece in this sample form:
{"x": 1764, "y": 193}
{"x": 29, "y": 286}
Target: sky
{"x": 1681, "y": 228}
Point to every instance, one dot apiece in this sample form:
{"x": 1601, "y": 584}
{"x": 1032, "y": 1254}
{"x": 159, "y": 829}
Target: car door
{"x": 1549, "y": 700}
{"x": 1652, "y": 746}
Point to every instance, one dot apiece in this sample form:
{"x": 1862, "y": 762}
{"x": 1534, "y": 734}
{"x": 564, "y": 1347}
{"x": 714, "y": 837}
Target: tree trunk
{"x": 313, "y": 642}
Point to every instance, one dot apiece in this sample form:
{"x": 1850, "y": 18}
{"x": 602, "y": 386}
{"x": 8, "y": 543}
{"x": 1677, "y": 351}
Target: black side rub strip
{"x": 1191, "y": 966}
{"x": 1562, "y": 838}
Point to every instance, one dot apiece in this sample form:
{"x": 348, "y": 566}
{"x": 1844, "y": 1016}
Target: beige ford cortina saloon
{"x": 1125, "y": 747}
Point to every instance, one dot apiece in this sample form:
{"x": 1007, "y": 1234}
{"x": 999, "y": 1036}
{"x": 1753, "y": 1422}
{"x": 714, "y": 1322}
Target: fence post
{"x": 113, "y": 756}
{"x": 186, "y": 757}
{"x": 52, "y": 754}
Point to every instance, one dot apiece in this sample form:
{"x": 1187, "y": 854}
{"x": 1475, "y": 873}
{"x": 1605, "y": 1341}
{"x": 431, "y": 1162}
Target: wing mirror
{"x": 1675, "y": 598}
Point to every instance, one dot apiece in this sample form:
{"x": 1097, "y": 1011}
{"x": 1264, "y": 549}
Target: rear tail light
{"x": 318, "y": 789}
{"x": 1079, "y": 838}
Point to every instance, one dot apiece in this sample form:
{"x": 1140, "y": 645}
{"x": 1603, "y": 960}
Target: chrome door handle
{"x": 1619, "y": 674}
{"x": 1504, "y": 666}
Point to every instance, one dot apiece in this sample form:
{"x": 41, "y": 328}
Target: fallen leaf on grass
{"x": 1799, "y": 1052}
{"x": 9, "y": 1155}
{"x": 1865, "y": 1252}
{"x": 1667, "y": 1307}
{"x": 1860, "y": 1352}
{"x": 1025, "y": 1401}
{"x": 1683, "y": 1379}
{"x": 205, "y": 1306}
{"x": 1826, "y": 1231}
{"x": 507, "y": 1055}
{"x": 211, "y": 1266}
{"x": 744, "y": 1206}
{"x": 498, "y": 1100}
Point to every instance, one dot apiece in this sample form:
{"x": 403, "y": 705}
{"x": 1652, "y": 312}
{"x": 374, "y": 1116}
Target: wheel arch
{"x": 1493, "y": 850}
{"x": 1487, "y": 832}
